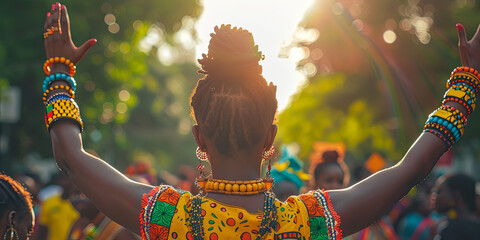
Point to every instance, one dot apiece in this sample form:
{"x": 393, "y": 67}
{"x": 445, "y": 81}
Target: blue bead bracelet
{"x": 59, "y": 76}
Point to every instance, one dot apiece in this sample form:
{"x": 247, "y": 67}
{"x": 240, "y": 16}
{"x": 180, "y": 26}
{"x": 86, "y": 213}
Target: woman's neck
{"x": 236, "y": 168}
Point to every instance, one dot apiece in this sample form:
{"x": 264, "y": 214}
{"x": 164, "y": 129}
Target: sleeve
{"x": 324, "y": 221}
{"x": 157, "y": 210}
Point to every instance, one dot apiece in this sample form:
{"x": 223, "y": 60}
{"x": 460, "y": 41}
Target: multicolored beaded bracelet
{"x": 439, "y": 134}
{"x": 452, "y": 115}
{"x": 62, "y": 109}
{"x": 466, "y": 70}
{"x": 47, "y": 101}
{"x": 447, "y": 123}
{"x": 461, "y": 97}
{"x": 59, "y": 76}
{"x": 58, "y": 97}
{"x": 466, "y": 88}
{"x": 48, "y": 64}
{"x": 466, "y": 77}
{"x": 442, "y": 132}
{"x": 61, "y": 88}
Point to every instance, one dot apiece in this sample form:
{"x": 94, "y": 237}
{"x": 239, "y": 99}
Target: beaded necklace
{"x": 269, "y": 219}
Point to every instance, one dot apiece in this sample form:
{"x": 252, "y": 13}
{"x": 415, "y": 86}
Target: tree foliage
{"x": 376, "y": 70}
{"x": 131, "y": 102}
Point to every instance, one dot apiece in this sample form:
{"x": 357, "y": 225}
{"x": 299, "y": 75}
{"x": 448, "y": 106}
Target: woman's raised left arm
{"x": 366, "y": 201}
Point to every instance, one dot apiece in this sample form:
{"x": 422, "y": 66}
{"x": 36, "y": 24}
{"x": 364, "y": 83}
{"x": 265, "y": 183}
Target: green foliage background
{"x": 150, "y": 121}
{"x": 370, "y": 95}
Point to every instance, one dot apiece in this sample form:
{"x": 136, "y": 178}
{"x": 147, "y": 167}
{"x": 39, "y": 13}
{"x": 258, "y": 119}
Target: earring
{"x": 267, "y": 155}
{"x": 268, "y": 180}
{"x": 13, "y": 233}
{"x": 203, "y": 156}
{"x": 452, "y": 214}
{"x": 201, "y": 180}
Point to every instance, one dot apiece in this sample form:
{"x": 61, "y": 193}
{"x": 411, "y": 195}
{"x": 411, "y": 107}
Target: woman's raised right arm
{"x": 113, "y": 193}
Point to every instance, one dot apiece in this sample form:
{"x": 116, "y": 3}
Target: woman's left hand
{"x": 469, "y": 50}
{"x": 58, "y": 40}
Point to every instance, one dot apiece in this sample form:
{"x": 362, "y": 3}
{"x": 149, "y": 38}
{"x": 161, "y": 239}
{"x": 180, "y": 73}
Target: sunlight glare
{"x": 272, "y": 22}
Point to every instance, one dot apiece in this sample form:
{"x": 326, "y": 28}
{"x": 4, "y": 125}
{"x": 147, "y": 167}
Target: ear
{"x": 11, "y": 218}
{"x": 199, "y": 137}
{"x": 271, "y": 134}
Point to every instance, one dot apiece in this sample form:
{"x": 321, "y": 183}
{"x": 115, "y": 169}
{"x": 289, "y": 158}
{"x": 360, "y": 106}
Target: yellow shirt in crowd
{"x": 57, "y": 215}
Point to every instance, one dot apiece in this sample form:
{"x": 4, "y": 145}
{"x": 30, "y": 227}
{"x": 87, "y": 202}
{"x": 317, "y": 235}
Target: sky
{"x": 272, "y": 23}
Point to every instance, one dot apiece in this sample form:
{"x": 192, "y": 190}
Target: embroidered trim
{"x": 331, "y": 218}
{"x": 148, "y": 204}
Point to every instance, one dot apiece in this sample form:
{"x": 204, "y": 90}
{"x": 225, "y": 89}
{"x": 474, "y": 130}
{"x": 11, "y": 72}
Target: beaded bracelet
{"x": 47, "y": 65}
{"x": 466, "y": 88}
{"x": 465, "y": 75}
{"x": 47, "y": 101}
{"x": 58, "y": 97}
{"x": 59, "y": 87}
{"x": 447, "y": 123}
{"x": 59, "y": 76}
{"x": 442, "y": 132}
{"x": 461, "y": 97}
{"x": 62, "y": 109}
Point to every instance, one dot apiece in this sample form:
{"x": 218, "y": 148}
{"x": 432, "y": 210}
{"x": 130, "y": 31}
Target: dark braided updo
{"x": 13, "y": 196}
{"x": 233, "y": 104}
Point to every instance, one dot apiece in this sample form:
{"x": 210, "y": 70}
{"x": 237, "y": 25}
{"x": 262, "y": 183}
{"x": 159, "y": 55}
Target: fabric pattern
{"x": 165, "y": 215}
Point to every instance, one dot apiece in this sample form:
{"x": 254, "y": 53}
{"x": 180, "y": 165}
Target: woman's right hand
{"x": 59, "y": 43}
{"x": 469, "y": 50}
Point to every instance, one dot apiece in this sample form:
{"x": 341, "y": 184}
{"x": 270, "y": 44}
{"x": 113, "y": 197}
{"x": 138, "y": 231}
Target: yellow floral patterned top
{"x": 165, "y": 215}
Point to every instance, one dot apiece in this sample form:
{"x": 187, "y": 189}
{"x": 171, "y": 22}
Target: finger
{"x": 45, "y": 26}
{"x": 49, "y": 21}
{"x": 65, "y": 21}
{"x": 476, "y": 37}
{"x": 82, "y": 50}
{"x": 462, "y": 45}
{"x": 462, "y": 35}
{"x": 55, "y": 20}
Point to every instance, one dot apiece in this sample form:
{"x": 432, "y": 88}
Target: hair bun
{"x": 232, "y": 54}
{"x": 330, "y": 156}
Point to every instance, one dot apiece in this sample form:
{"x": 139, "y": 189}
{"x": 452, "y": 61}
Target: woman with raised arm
{"x": 234, "y": 108}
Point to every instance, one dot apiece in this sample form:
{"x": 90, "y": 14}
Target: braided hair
{"x": 13, "y": 196}
{"x": 232, "y": 103}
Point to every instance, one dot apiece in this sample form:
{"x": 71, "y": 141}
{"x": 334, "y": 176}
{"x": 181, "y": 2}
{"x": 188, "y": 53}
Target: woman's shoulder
{"x": 158, "y": 207}
{"x": 322, "y": 216}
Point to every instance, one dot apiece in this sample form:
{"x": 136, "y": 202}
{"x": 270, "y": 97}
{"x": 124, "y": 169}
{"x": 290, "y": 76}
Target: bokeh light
{"x": 389, "y": 36}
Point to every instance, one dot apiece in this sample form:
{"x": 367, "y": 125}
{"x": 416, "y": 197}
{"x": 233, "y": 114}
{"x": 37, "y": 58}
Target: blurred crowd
{"x": 445, "y": 206}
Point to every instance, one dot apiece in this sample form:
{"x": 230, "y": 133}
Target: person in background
{"x": 93, "y": 224}
{"x": 57, "y": 213}
{"x": 288, "y": 175}
{"x": 331, "y": 173}
{"x": 16, "y": 211}
{"x": 417, "y": 220}
{"x": 454, "y": 197}
{"x": 33, "y": 184}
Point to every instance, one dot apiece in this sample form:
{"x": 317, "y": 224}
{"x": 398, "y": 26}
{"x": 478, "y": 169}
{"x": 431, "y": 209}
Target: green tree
{"x": 376, "y": 69}
{"x": 124, "y": 90}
